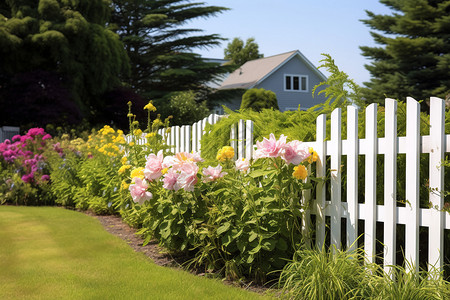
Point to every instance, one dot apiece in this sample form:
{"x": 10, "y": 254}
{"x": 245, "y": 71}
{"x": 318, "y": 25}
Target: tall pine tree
{"x": 67, "y": 38}
{"x": 414, "y": 54}
{"x": 160, "y": 47}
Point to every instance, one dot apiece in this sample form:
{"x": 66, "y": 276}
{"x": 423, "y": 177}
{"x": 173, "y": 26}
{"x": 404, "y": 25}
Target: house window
{"x": 295, "y": 83}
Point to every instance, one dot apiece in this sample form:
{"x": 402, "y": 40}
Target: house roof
{"x": 255, "y": 71}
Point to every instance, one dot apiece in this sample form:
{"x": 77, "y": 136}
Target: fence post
{"x": 412, "y": 181}
{"x": 390, "y": 183}
{"x": 352, "y": 177}
{"x": 336, "y": 154}
{"x": 437, "y": 146}
{"x": 371, "y": 182}
{"x": 320, "y": 170}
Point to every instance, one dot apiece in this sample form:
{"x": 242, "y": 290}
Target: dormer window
{"x": 295, "y": 83}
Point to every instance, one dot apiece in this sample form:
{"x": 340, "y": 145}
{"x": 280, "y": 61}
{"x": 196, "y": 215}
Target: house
{"x": 291, "y": 76}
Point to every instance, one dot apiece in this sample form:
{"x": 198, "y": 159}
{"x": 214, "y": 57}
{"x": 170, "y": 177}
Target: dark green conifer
{"x": 413, "y": 58}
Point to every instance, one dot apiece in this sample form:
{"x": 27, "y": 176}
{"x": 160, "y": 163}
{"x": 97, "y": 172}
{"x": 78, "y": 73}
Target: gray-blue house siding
{"x": 291, "y": 76}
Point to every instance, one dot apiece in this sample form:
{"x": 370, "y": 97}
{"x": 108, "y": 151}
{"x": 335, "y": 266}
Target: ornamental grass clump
{"x": 240, "y": 217}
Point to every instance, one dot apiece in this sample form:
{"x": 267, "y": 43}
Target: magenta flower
{"x": 45, "y": 178}
{"x": 211, "y": 174}
{"x": 32, "y": 132}
{"x": 270, "y": 147}
{"x": 139, "y": 191}
{"x": 295, "y": 152}
{"x": 46, "y": 137}
{"x": 28, "y": 177}
{"x": 153, "y": 166}
{"x": 16, "y": 138}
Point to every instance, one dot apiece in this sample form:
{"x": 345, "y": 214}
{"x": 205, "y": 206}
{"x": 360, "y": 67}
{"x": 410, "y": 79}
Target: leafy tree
{"x": 414, "y": 56}
{"x": 259, "y": 99}
{"x": 160, "y": 48}
{"x": 239, "y": 54}
{"x": 68, "y": 38}
{"x": 187, "y": 108}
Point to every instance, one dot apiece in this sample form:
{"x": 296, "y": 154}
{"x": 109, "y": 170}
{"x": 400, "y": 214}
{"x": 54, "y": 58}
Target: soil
{"x": 115, "y": 226}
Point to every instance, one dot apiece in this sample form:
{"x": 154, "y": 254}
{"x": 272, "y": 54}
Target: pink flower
{"x": 171, "y": 180}
{"x": 16, "y": 138}
{"x": 242, "y": 164}
{"x": 46, "y": 137}
{"x": 153, "y": 166}
{"x": 36, "y": 131}
{"x": 139, "y": 191}
{"x": 188, "y": 176}
{"x": 212, "y": 174}
{"x": 270, "y": 147}
{"x": 45, "y": 178}
{"x": 28, "y": 177}
{"x": 295, "y": 152}
{"x": 181, "y": 158}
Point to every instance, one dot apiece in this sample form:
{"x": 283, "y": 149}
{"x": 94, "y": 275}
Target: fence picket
{"x": 336, "y": 155}
{"x": 187, "y": 138}
{"x": 437, "y": 144}
{"x": 248, "y": 139}
{"x": 241, "y": 136}
{"x": 412, "y": 181}
{"x": 370, "y": 182}
{"x": 390, "y": 183}
{"x": 319, "y": 208}
{"x": 352, "y": 177}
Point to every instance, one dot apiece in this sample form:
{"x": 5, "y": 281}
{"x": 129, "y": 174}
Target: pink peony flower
{"x": 270, "y": 147}
{"x": 32, "y": 132}
{"x": 188, "y": 176}
{"x": 181, "y": 158}
{"x": 242, "y": 164}
{"x": 295, "y": 152}
{"x": 153, "y": 166}
{"x": 46, "y": 137}
{"x": 171, "y": 180}
{"x": 138, "y": 191}
{"x": 212, "y": 174}
{"x": 45, "y": 178}
{"x": 16, "y": 138}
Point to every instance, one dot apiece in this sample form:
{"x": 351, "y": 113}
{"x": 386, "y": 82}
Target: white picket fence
{"x": 187, "y": 138}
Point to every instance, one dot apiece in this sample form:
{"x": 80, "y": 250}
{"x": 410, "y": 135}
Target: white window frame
{"x": 292, "y": 83}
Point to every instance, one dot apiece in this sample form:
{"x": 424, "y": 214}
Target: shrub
{"x": 259, "y": 99}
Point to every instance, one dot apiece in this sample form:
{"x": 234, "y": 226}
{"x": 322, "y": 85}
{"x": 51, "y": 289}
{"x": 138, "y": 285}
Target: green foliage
{"x": 336, "y": 274}
{"x": 413, "y": 55}
{"x": 239, "y": 54}
{"x": 66, "y": 37}
{"x": 186, "y": 109}
{"x": 259, "y": 99}
{"x": 338, "y": 88}
{"x": 160, "y": 50}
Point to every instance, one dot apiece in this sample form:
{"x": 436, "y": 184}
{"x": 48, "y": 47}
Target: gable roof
{"x": 255, "y": 71}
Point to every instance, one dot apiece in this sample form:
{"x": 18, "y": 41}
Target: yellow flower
{"x": 150, "y": 135}
{"x": 150, "y": 106}
{"x": 124, "y": 168}
{"x": 225, "y": 153}
{"x": 131, "y": 144}
{"x": 300, "y": 172}
{"x": 313, "y": 157}
{"x": 164, "y": 171}
{"x": 137, "y": 132}
{"x": 125, "y": 185}
{"x": 124, "y": 160}
{"x": 138, "y": 172}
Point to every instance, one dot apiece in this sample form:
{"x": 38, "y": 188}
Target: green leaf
{"x": 253, "y": 236}
{"x": 223, "y": 228}
{"x": 268, "y": 244}
{"x": 258, "y": 173}
{"x": 255, "y": 250}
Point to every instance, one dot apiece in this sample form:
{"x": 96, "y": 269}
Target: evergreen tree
{"x": 239, "y": 54}
{"x": 414, "y": 56}
{"x": 66, "y": 37}
{"x": 160, "y": 46}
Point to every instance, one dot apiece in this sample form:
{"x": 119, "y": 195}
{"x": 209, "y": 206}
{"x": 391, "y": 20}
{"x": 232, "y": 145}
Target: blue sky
{"x": 311, "y": 26}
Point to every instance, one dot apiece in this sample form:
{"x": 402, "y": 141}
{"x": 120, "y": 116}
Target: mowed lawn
{"x": 53, "y": 253}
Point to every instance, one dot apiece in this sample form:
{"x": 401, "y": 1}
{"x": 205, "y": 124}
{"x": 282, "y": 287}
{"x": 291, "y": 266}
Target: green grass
{"x": 53, "y": 253}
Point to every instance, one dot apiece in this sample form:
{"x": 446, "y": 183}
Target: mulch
{"x": 115, "y": 226}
